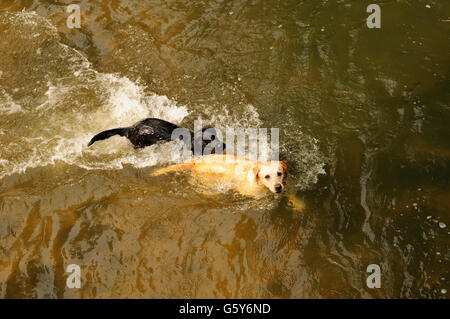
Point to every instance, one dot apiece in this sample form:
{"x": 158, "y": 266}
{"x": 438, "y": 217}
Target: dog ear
{"x": 285, "y": 166}
{"x": 256, "y": 170}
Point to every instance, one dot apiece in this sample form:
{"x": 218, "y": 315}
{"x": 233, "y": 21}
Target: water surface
{"x": 364, "y": 126}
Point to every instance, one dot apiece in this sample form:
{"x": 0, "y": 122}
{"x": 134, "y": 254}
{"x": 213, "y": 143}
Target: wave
{"x": 54, "y": 101}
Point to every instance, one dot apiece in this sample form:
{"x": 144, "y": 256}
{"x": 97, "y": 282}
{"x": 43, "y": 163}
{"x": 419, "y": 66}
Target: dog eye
{"x": 279, "y": 173}
{"x": 267, "y": 176}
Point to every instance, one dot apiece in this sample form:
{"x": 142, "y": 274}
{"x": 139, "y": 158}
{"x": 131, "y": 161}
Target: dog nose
{"x": 278, "y": 188}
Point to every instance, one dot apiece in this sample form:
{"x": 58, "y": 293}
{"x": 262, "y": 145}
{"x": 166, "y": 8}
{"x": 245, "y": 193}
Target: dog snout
{"x": 278, "y": 188}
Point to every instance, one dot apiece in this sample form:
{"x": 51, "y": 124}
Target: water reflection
{"x": 372, "y": 105}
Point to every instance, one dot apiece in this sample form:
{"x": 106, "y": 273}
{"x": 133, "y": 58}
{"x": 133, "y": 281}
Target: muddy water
{"x": 364, "y": 126}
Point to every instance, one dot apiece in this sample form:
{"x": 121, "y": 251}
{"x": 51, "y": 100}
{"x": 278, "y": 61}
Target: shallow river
{"x": 363, "y": 115}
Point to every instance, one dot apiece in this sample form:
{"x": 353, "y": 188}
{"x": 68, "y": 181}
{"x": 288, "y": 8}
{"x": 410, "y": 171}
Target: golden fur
{"x": 251, "y": 178}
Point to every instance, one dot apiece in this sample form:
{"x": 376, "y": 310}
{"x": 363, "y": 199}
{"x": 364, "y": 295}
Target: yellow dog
{"x": 250, "y": 178}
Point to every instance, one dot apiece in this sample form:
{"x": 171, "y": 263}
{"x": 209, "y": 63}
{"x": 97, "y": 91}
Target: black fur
{"x": 151, "y": 131}
{"x": 106, "y": 134}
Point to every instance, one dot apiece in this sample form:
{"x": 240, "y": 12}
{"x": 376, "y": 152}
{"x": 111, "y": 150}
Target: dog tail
{"x": 172, "y": 169}
{"x": 106, "y": 134}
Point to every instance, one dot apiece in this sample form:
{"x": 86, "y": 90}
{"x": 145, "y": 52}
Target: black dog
{"x": 151, "y": 131}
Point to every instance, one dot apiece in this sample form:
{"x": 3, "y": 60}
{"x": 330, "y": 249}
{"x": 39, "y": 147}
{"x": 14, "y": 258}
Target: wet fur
{"x": 151, "y": 131}
{"x": 244, "y": 173}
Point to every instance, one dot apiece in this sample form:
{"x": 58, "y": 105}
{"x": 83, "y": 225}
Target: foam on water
{"x": 71, "y": 102}
{"x": 126, "y": 104}
{"x": 77, "y": 104}
{"x": 304, "y": 153}
{"x": 7, "y": 104}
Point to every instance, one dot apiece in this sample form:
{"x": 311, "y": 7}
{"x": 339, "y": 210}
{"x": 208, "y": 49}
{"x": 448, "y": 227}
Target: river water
{"x": 364, "y": 122}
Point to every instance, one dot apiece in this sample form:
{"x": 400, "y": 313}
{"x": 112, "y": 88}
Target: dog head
{"x": 271, "y": 175}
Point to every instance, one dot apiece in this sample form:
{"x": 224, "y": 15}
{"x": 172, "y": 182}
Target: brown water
{"x": 364, "y": 126}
